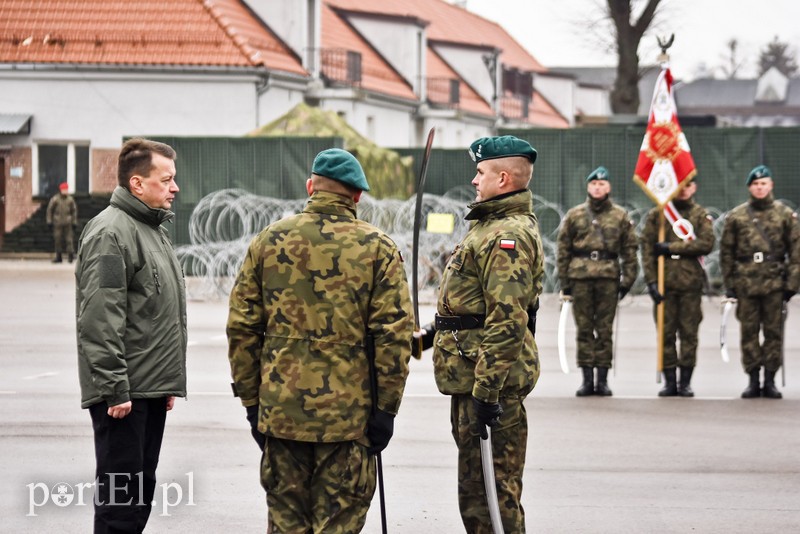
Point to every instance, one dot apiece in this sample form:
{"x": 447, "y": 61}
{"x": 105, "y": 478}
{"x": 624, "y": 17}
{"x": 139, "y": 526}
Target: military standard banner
{"x": 665, "y": 162}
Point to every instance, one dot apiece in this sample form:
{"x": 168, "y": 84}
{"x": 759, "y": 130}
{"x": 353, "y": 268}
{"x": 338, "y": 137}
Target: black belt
{"x": 760, "y": 257}
{"x": 459, "y": 322}
{"x": 595, "y": 255}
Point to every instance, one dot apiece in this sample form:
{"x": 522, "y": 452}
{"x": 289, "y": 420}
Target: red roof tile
{"x": 376, "y": 74}
{"x": 156, "y": 32}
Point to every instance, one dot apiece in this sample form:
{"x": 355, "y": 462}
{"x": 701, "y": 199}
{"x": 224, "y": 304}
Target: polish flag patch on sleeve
{"x": 508, "y": 244}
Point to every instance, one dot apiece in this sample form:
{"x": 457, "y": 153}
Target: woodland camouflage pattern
{"x": 759, "y": 286}
{"x": 683, "y": 278}
{"x": 741, "y": 237}
{"x": 481, "y": 278}
{"x": 609, "y": 230}
{"x": 686, "y": 272}
{"x": 310, "y": 288}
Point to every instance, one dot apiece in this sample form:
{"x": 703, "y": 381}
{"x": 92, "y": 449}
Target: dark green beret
{"x": 600, "y": 173}
{"x": 342, "y": 166}
{"x": 501, "y": 147}
{"x": 762, "y": 171}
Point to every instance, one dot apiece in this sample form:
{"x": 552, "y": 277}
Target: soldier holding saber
{"x": 485, "y": 355}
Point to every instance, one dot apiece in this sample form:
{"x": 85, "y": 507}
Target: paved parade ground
{"x": 632, "y": 463}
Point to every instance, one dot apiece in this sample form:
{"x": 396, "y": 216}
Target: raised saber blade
{"x": 566, "y": 306}
{"x": 415, "y": 243}
{"x": 487, "y": 462}
{"x": 723, "y": 328}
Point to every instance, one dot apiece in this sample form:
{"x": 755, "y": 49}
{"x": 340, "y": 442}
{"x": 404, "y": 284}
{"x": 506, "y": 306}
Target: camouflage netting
{"x": 389, "y": 174}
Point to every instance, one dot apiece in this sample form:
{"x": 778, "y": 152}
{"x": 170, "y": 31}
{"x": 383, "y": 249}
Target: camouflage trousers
{"x": 509, "y": 442}
{"x": 594, "y": 304}
{"x": 315, "y": 488}
{"x": 682, "y": 316}
{"x": 755, "y": 314}
{"x": 63, "y": 238}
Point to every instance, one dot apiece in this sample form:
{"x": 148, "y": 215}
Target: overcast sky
{"x": 549, "y": 30}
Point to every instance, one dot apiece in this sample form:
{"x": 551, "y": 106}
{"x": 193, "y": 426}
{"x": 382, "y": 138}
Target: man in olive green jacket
{"x": 597, "y": 266}
{"x": 62, "y": 217}
{"x": 760, "y": 261}
{"x": 131, "y": 323}
{"x": 317, "y": 292}
{"x": 485, "y": 354}
{"x": 684, "y": 280}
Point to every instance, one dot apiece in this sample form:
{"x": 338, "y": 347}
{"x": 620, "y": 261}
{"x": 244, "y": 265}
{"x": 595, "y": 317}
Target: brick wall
{"x": 104, "y": 170}
{"x": 19, "y": 190}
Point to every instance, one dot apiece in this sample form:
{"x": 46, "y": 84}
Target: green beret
{"x": 600, "y": 173}
{"x": 762, "y": 171}
{"x": 342, "y": 166}
{"x": 501, "y": 147}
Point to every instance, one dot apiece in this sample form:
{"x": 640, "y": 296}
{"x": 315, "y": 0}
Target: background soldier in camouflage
{"x": 760, "y": 260}
{"x": 62, "y": 217}
{"x": 595, "y": 239}
{"x": 311, "y": 288}
{"x": 684, "y": 280}
{"x": 485, "y": 354}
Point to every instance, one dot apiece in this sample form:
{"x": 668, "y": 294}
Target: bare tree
{"x": 625, "y": 95}
{"x": 778, "y": 55}
{"x": 732, "y": 63}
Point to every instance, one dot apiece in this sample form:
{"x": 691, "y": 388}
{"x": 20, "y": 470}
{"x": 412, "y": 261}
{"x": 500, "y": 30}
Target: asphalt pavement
{"x": 629, "y": 463}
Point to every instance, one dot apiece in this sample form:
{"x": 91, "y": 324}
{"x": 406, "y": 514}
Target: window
{"x": 56, "y": 163}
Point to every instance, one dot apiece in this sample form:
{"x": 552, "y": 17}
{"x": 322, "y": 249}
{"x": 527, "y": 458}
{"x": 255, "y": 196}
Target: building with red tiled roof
{"x": 77, "y": 76}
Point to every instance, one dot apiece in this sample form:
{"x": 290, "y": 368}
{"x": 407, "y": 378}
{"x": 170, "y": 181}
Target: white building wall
{"x": 385, "y": 125}
{"x": 103, "y": 108}
{"x": 593, "y": 101}
{"x": 400, "y": 43}
{"x": 275, "y": 102}
{"x": 560, "y": 92}
{"x": 468, "y": 63}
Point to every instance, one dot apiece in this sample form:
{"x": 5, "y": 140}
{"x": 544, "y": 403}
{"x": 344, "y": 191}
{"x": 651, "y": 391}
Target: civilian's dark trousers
{"x": 127, "y": 452}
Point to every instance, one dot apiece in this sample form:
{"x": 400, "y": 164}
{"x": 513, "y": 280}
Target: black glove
{"x": 657, "y": 297}
{"x": 788, "y": 294}
{"x": 623, "y": 291}
{"x": 661, "y": 249}
{"x": 380, "y": 428}
{"x": 252, "y": 418}
{"x": 427, "y": 339}
{"x": 566, "y": 291}
{"x": 50, "y": 226}
{"x": 730, "y": 293}
{"x": 488, "y": 414}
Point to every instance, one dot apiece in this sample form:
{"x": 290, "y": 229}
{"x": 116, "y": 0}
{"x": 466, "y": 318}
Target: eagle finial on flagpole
{"x": 664, "y": 45}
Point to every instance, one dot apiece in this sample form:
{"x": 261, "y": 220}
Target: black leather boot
{"x": 670, "y": 388}
{"x": 602, "y": 384}
{"x": 685, "y": 387}
{"x": 753, "y": 390}
{"x": 58, "y": 258}
{"x": 769, "y": 390}
{"x": 71, "y": 257}
{"x": 587, "y": 388}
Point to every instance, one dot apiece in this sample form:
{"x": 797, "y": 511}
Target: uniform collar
{"x": 761, "y": 204}
{"x": 331, "y": 204}
{"x": 501, "y": 206}
{"x": 127, "y": 202}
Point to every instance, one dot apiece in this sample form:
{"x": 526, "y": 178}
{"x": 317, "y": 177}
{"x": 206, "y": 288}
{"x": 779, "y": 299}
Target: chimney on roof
{"x": 297, "y": 23}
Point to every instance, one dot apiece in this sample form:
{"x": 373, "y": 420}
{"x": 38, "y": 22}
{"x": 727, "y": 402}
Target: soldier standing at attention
{"x": 62, "y": 217}
{"x": 684, "y": 280}
{"x": 485, "y": 355}
{"x": 314, "y": 290}
{"x": 597, "y": 266}
{"x": 760, "y": 261}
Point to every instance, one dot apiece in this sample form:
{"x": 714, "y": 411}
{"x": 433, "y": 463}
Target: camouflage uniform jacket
{"x": 779, "y": 248}
{"x": 682, "y": 269}
{"x": 311, "y": 287}
{"x": 62, "y": 210}
{"x": 495, "y": 271}
{"x": 609, "y": 231}
{"x": 131, "y": 306}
